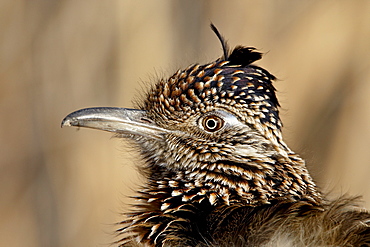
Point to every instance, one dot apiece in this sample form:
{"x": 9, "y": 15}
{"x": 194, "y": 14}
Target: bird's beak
{"x": 121, "y": 121}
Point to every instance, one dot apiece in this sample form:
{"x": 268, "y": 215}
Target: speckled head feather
{"x": 231, "y": 83}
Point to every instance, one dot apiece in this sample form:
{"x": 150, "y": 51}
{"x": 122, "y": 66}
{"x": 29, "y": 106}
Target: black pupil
{"x": 211, "y": 123}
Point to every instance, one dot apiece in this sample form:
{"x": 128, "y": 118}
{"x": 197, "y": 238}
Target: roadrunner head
{"x": 214, "y": 126}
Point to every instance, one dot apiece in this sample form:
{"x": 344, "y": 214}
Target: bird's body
{"x": 218, "y": 171}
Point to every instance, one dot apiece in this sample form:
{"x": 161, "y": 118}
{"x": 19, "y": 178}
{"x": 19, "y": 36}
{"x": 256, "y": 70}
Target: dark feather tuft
{"x": 244, "y": 56}
{"x": 240, "y": 55}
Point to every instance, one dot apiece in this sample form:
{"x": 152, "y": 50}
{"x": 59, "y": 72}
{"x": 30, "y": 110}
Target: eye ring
{"x": 212, "y": 123}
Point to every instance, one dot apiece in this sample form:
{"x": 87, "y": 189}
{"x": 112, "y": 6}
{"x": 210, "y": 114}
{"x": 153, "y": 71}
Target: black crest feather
{"x": 225, "y": 46}
{"x": 244, "y": 56}
{"x": 240, "y": 55}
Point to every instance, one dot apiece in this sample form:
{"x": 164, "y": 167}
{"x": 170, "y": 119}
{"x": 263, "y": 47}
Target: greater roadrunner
{"x": 218, "y": 171}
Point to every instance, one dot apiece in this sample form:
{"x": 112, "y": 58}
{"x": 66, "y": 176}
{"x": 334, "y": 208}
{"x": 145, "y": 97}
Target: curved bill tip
{"x": 66, "y": 122}
{"x": 82, "y": 117}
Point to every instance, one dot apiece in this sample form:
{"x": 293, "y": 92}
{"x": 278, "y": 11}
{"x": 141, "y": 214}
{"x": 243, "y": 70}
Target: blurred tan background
{"x": 62, "y": 187}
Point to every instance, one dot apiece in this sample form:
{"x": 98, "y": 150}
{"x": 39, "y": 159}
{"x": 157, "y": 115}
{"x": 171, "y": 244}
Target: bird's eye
{"x": 212, "y": 123}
